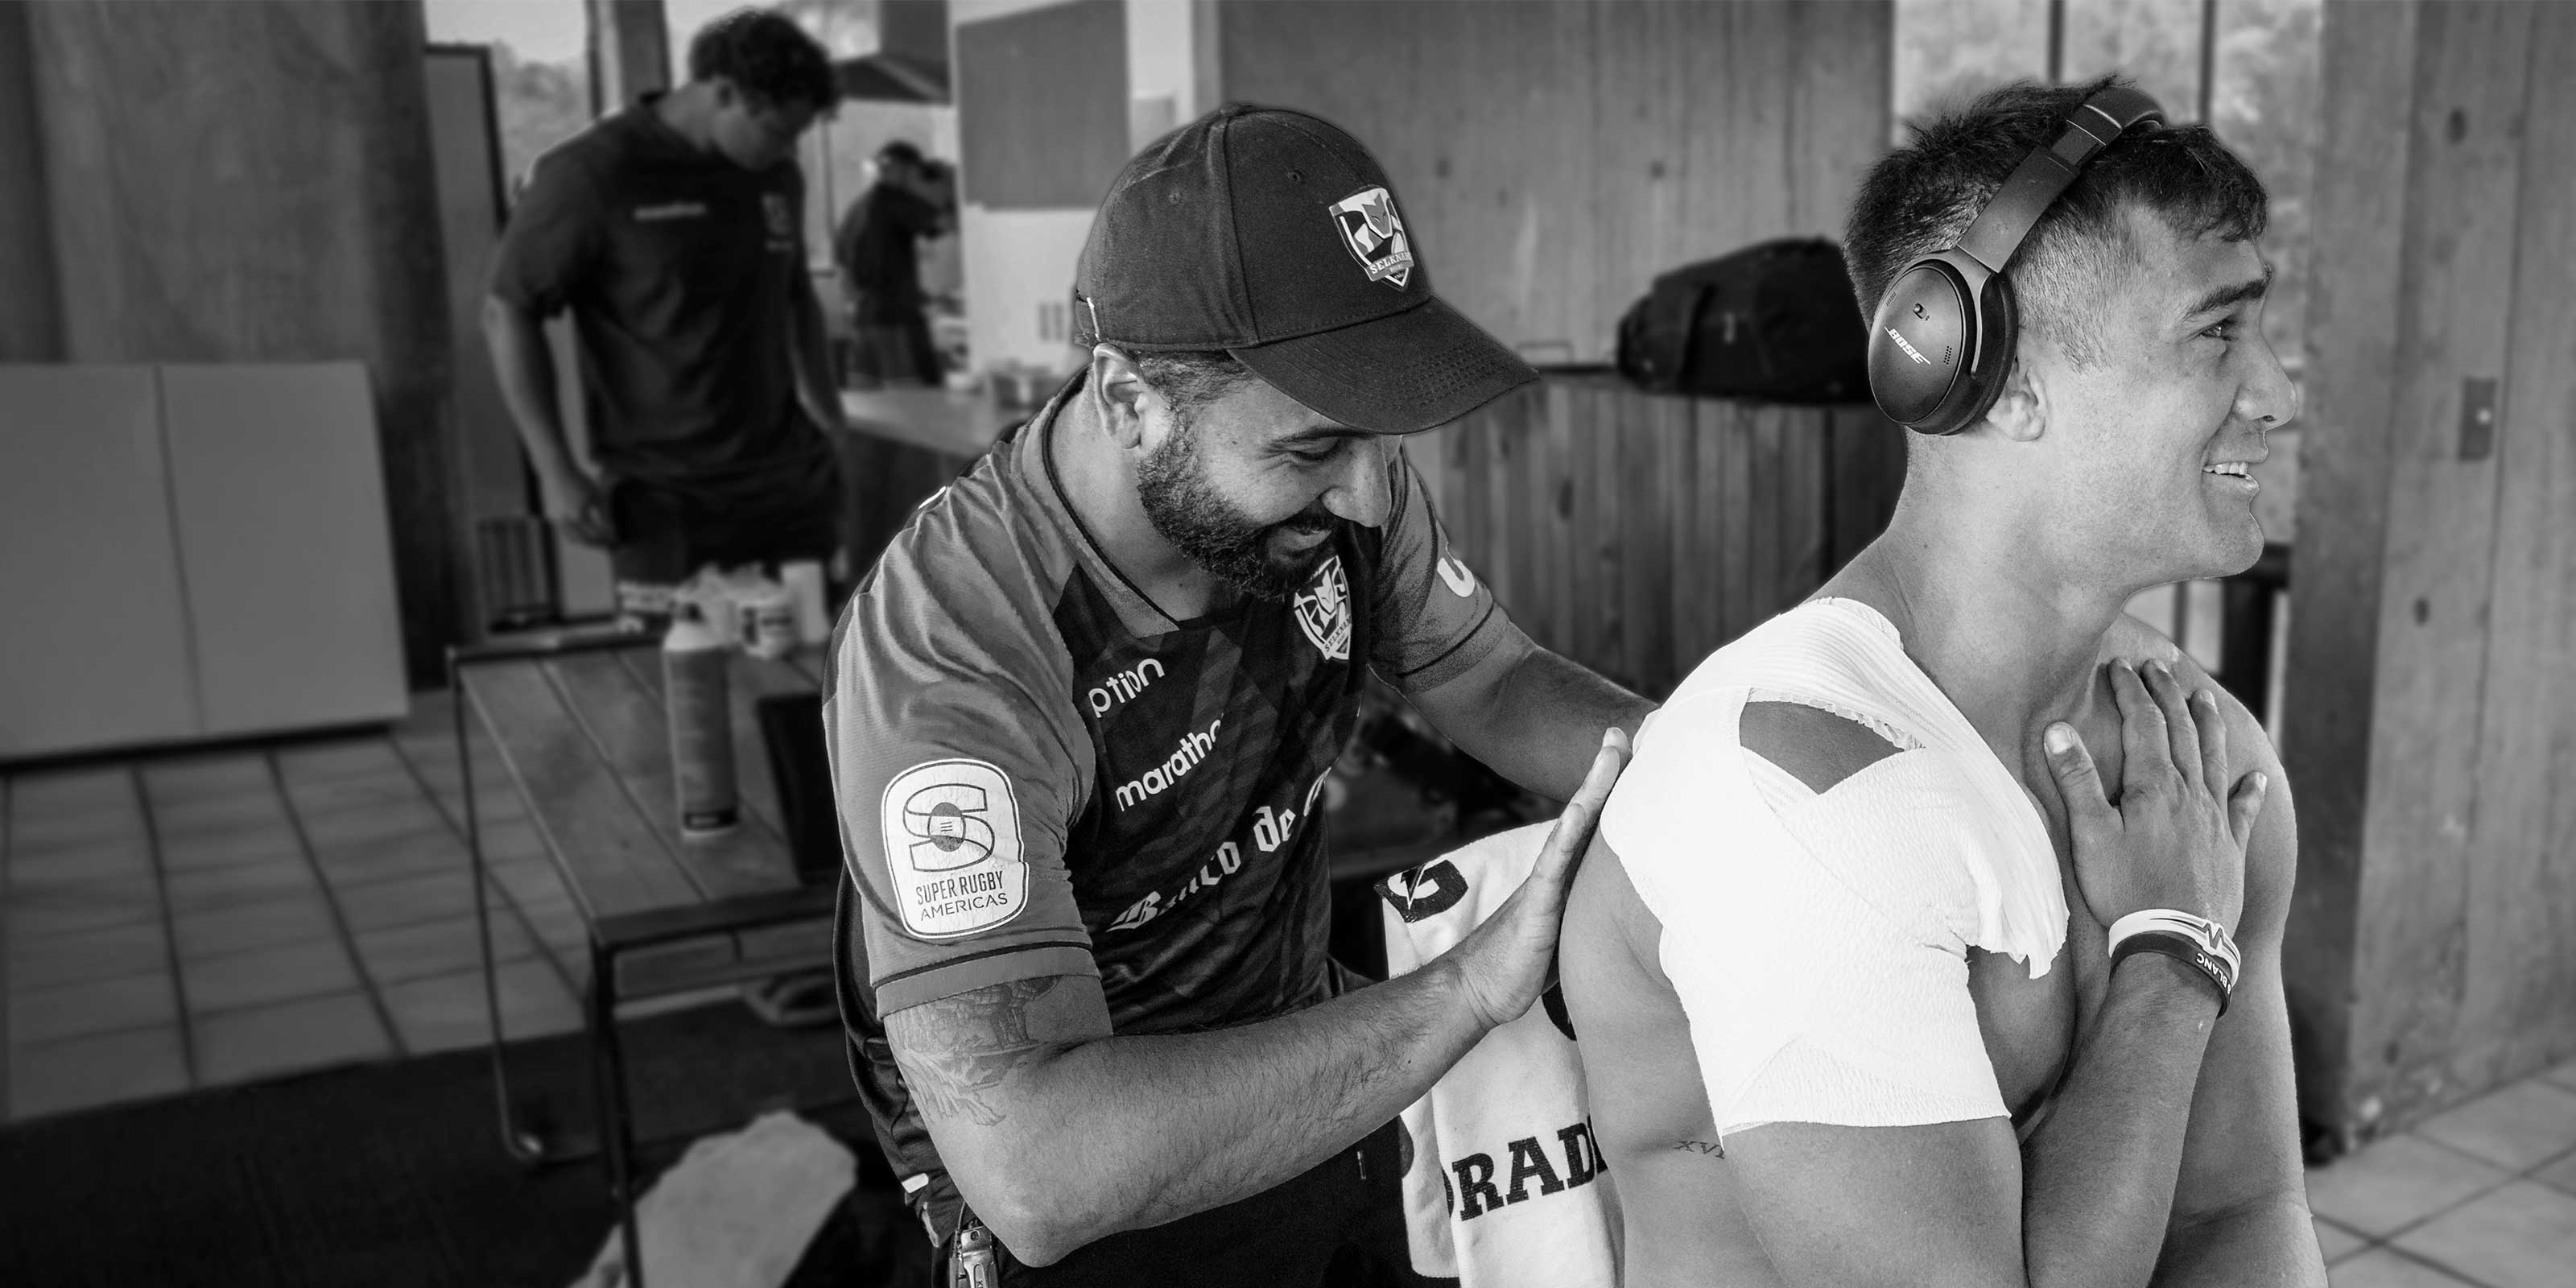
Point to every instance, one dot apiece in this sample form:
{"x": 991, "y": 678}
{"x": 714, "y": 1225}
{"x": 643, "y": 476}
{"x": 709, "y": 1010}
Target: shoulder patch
{"x": 952, "y": 848}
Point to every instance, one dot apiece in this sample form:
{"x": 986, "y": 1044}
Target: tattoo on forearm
{"x": 956, "y": 1052}
{"x": 1714, "y": 1149}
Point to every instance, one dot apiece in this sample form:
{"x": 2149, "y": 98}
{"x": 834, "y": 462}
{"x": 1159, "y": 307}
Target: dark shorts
{"x": 1340, "y": 1225}
{"x": 665, "y": 534}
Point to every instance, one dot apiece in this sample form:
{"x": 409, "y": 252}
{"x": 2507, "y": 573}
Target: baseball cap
{"x": 1276, "y": 237}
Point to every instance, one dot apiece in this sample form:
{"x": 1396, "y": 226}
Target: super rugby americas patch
{"x": 1375, "y": 235}
{"x": 952, "y": 848}
{"x": 1323, "y": 611}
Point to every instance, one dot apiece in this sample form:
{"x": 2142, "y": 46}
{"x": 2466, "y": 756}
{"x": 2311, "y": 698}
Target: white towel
{"x": 1506, "y": 1187}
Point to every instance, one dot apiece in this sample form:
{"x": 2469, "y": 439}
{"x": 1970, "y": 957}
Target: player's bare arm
{"x": 1060, "y": 1133}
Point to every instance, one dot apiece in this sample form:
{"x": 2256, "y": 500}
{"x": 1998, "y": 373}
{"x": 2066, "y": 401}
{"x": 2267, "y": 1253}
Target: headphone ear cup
{"x": 1998, "y": 336}
{"x": 1918, "y": 339}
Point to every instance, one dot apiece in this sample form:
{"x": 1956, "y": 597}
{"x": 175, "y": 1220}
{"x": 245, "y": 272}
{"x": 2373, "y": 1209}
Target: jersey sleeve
{"x": 553, "y": 236}
{"x": 955, "y": 790}
{"x": 1434, "y": 617}
{"x": 1819, "y": 952}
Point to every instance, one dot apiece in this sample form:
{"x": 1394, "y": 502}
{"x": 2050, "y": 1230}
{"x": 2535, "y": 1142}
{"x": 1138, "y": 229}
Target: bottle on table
{"x": 695, "y": 689}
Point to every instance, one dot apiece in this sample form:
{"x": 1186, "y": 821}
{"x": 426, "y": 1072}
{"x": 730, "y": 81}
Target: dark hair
{"x": 1189, "y": 379}
{"x": 900, "y": 151}
{"x": 767, "y": 56}
{"x": 1922, "y": 196}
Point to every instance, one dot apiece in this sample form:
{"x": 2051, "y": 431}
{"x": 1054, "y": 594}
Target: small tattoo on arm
{"x": 1713, "y": 1148}
{"x": 957, "y": 1051}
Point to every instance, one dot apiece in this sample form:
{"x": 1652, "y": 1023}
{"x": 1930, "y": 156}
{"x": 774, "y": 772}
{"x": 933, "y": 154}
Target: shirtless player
{"x": 1829, "y": 1039}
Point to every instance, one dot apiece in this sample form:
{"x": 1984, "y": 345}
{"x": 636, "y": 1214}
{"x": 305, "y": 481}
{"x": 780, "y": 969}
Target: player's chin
{"x": 2229, "y": 544}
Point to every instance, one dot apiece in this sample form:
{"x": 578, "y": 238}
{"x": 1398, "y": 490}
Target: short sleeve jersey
{"x": 680, "y": 269}
{"x": 1041, "y": 774}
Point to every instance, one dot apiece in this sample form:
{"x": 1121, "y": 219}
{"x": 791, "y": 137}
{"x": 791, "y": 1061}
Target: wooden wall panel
{"x": 252, "y": 182}
{"x": 1636, "y": 532}
{"x": 2432, "y": 665}
{"x": 2462, "y": 195}
{"x": 2518, "y": 1008}
{"x": 1552, "y": 158}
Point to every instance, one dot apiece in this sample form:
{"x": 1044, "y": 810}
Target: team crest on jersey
{"x": 1324, "y": 611}
{"x": 952, "y": 848}
{"x": 1375, "y": 235}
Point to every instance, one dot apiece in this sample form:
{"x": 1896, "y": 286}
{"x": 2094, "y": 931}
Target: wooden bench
{"x": 579, "y": 721}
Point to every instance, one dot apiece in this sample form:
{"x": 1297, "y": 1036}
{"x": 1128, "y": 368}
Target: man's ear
{"x": 2020, "y": 413}
{"x": 1119, "y": 393}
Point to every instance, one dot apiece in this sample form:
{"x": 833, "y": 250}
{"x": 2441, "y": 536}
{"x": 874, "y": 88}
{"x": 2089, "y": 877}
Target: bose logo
{"x": 1123, "y": 686}
{"x": 1910, "y": 350}
{"x": 1193, "y": 749}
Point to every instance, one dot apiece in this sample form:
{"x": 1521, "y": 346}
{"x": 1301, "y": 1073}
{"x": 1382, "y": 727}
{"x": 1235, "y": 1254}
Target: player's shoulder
{"x": 968, "y": 587}
{"x": 2137, "y": 643}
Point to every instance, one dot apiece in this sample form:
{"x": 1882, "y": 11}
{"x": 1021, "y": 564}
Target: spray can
{"x": 701, "y": 712}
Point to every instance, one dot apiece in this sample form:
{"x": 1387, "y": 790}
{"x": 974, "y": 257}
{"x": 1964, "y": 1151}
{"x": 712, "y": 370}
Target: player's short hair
{"x": 767, "y": 56}
{"x": 900, "y": 152}
{"x": 1921, "y": 197}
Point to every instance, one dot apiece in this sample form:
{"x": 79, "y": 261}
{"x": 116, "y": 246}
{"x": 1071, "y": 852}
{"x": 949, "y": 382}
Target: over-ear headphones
{"x": 1945, "y": 330}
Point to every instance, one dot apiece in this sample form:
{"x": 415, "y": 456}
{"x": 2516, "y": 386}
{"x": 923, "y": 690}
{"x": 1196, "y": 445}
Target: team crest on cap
{"x": 1375, "y": 234}
{"x": 1324, "y": 611}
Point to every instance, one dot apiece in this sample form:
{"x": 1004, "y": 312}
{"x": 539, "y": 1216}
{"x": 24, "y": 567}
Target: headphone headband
{"x": 2047, "y": 172}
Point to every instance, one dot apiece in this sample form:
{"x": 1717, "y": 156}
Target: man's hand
{"x": 1504, "y": 964}
{"x": 2177, "y": 837}
{"x": 576, "y": 503}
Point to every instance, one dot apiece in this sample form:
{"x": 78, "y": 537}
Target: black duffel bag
{"x": 1777, "y": 321}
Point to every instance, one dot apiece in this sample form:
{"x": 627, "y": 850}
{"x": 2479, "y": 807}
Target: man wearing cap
{"x": 1080, "y": 718}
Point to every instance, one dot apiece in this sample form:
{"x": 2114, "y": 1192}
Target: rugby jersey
{"x": 1041, "y": 774}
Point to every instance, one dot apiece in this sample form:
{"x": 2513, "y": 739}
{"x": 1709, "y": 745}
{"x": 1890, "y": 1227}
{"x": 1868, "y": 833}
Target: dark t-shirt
{"x": 680, "y": 268}
{"x": 1040, "y": 774}
{"x": 879, "y": 252}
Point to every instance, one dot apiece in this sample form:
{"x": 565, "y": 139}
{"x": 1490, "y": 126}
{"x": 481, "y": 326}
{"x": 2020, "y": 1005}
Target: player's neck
{"x": 2006, "y": 632}
{"x": 1100, "y": 485}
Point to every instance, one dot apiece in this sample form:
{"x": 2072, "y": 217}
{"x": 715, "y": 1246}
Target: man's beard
{"x": 1231, "y": 546}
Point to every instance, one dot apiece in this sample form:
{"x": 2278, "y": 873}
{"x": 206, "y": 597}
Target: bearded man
{"x": 1080, "y": 717}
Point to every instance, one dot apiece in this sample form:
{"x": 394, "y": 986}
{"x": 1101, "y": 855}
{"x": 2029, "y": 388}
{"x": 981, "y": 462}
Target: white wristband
{"x": 2212, "y": 937}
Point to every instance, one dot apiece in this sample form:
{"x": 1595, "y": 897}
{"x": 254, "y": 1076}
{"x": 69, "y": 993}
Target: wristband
{"x": 2181, "y": 949}
{"x": 2212, "y": 937}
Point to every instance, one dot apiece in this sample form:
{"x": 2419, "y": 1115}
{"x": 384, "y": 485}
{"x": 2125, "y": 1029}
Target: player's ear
{"x": 1120, "y": 393}
{"x": 2020, "y": 413}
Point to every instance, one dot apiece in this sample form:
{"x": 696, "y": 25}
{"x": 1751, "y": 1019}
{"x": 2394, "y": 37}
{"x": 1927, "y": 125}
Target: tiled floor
{"x": 2483, "y": 1195}
{"x": 192, "y": 920}
{"x": 195, "y": 920}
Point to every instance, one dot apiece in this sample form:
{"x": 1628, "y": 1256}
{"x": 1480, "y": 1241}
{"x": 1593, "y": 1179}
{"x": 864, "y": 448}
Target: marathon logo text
{"x": 1477, "y": 1192}
{"x": 1194, "y": 748}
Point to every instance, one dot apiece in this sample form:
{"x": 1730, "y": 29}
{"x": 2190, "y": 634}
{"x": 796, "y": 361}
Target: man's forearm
{"x": 2098, "y": 1176}
{"x": 2217, "y": 1253}
{"x": 524, "y": 366}
{"x": 1546, "y": 721}
{"x": 1057, "y": 1145}
{"x": 812, "y": 361}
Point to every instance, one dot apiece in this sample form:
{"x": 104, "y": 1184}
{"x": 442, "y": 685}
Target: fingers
{"x": 2213, "y": 739}
{"x": 1573, "y": 830}
{"x": 2182, "y": 732}
{"x": 2077, "y": 780}
{"x": 2244, "y": 805}
{"x": 2143, "y": 741}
